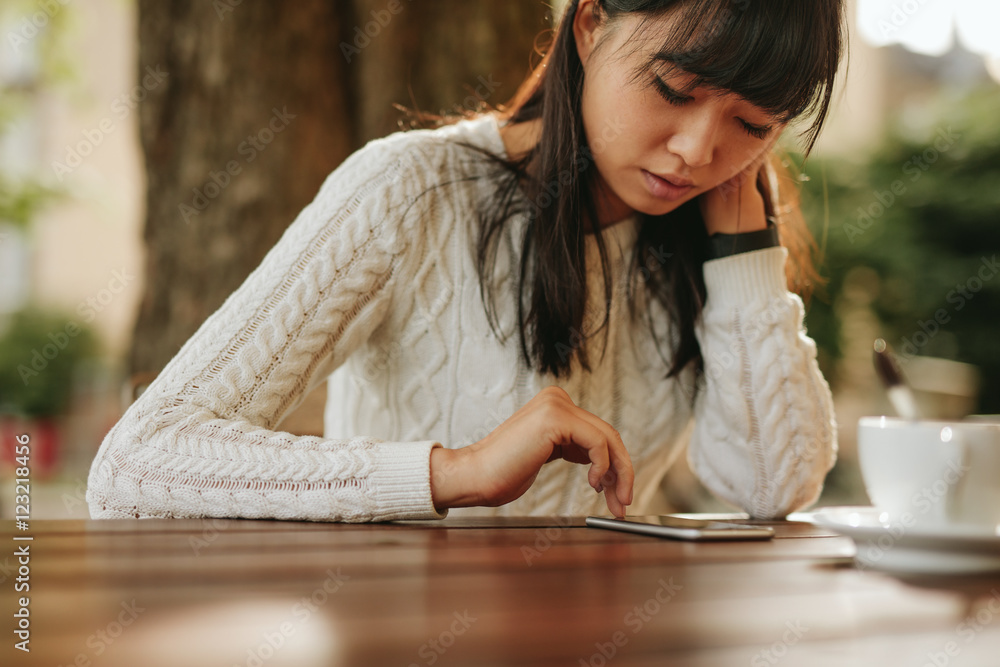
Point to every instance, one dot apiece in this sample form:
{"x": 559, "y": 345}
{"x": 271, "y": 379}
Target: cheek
{"x": 623, "y": 121}
{"x": 603, "y": 120}
{"x": 738, "y": 155}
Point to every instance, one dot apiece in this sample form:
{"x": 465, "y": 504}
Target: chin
{"x": 652, "y": 206}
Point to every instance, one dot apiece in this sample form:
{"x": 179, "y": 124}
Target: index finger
{"x": 621, "y": 464}
{"x": 619, "y": 461}
{"x": 609, "y": 486}
{"x": 604, "y": 448}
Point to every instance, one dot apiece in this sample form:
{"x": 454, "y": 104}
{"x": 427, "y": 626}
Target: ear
{"x": 585, "y": 29}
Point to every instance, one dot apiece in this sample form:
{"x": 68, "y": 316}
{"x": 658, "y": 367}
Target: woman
{"x": 506, "y": 297}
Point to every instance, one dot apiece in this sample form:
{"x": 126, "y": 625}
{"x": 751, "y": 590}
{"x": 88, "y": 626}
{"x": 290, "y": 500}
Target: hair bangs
{"x": 781, "y": 56}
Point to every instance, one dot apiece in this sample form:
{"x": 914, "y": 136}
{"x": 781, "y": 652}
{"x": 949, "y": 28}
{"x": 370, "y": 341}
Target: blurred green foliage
{"x": 20, "y": 198}
{"x": 40, "y": 351}
{"x": 40, "y": 57}
{"x": 923, "y": 213}
{"x": 20, "y": 201}
{"x": 46, "y": 30}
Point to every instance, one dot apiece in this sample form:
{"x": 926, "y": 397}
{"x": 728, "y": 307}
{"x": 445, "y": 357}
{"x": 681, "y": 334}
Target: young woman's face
{"x": 656, "y": 144}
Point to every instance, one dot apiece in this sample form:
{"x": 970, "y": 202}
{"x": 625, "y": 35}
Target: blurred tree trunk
{"x": 440, "y": 55}
{"x": 252, "y": 112}
{"x": 252, "y": 104}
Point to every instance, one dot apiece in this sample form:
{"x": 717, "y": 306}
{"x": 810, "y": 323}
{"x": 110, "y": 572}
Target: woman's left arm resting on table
{"x": 765, "y": 433}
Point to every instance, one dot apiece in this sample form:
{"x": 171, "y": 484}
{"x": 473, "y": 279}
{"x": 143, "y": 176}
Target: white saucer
{"x": 883, "y": 544}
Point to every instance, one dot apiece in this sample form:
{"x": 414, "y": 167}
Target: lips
{"x": 667, "y": 187}
{"x": 675, "y": 180}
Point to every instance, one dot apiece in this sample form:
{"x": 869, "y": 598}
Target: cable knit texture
{"x": 374, "y": 288}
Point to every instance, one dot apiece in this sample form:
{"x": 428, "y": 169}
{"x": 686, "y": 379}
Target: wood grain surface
{"x": 476, "y": 591}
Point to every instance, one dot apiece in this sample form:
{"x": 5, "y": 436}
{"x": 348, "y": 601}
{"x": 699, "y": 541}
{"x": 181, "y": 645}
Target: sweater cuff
{"x": 402, "y": 481}
{"x": 740, "y": 279}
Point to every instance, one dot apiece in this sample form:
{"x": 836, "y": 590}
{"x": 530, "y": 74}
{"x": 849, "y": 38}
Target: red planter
{"x": 44, "y": 443}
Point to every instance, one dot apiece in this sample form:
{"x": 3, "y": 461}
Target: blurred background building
{"x": 902, "y": 191}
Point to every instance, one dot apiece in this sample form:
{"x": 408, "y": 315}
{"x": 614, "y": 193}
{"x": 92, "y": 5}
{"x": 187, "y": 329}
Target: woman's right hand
{"x": 502, "y": 466}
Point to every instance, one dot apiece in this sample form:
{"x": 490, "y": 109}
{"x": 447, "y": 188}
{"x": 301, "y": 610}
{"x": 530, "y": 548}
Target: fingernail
{"x": 600, "y": 487}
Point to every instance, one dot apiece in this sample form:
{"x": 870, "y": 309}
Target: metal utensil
{"x": 888, "y": 371}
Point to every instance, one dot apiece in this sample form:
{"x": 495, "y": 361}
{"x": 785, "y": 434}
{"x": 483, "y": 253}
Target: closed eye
{"x": 678, "y": 99}
{"x": 669, "y": 94}
{"x": 756, "y": 131}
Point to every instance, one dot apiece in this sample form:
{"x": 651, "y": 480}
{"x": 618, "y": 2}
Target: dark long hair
{"x": 781, "y": 55}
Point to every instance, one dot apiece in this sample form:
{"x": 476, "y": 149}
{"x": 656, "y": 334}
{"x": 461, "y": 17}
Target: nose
{"x": 694, "y": 138}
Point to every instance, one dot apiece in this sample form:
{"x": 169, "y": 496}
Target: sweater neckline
{"x": 623, "y": 233}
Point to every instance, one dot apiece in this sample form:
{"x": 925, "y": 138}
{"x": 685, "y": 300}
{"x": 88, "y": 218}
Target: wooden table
{"x": 538, "y": 591}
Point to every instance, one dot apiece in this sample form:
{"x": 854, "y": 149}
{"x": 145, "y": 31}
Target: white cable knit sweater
{"x": 374, "y": 286}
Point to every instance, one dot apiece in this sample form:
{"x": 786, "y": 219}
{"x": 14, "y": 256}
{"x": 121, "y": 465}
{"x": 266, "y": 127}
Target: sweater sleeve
{"x": 201, "y": 441}
{"x": 765, "y": 431}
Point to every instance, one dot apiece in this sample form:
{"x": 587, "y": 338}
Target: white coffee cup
{"x": 938, "y": 475}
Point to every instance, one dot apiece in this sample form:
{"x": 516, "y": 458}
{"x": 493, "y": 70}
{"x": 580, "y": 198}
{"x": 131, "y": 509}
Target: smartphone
{"x": 682, "y": 528}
